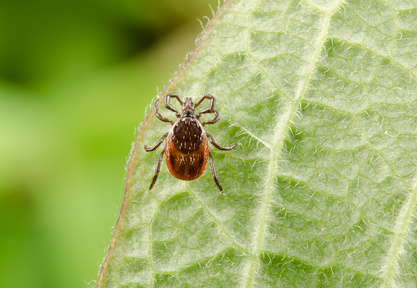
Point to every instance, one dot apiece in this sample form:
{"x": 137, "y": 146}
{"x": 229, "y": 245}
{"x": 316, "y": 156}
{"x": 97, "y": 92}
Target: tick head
{"x": 188, "y": 108}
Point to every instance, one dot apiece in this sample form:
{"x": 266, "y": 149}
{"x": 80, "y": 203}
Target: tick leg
{"x": 213, "y": 172}
{"x": 159, "y": 116}
{"x": 218, "y": 146}
{"x": 208, "y": 110}
{"x": 215, "y": 119}
{"x": 156, "y": 145}
{"x": 207, "y": 96}
{"x": 158, "y": 166}
{"x": 169, "y": 106}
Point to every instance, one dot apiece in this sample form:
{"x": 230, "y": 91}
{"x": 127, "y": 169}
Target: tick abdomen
{"x": 187, "y": 149}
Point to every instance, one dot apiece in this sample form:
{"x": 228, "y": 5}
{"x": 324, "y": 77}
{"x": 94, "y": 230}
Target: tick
{"x": 186, "y": 148}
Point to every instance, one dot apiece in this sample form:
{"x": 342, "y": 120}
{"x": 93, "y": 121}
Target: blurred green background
{"x": 75, "y": 79}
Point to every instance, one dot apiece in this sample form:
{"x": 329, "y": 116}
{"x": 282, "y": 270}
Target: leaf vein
{"x": 216, "y": 221}
{"x": 404, "y": 219}
{"x": 387, "y": 57}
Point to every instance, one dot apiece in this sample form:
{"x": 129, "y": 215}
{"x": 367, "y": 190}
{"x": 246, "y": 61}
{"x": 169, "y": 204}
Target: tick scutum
{"x": 187, "y": 135}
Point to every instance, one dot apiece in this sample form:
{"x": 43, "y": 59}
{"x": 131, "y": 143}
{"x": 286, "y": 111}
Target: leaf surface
{"x": 322, "y": 191}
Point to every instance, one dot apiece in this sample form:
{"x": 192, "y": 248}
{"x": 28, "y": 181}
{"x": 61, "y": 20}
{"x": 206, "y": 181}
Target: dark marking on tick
{"x": 172, "y": 160}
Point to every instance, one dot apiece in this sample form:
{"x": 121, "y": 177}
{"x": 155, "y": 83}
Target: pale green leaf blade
{"x": 322, "y": 191}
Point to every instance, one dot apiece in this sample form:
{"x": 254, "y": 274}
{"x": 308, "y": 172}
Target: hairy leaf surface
{"x": 322, "y": 192}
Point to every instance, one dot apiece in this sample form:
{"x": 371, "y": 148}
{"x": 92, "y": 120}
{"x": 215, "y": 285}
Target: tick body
{"x": 186, "y": 149}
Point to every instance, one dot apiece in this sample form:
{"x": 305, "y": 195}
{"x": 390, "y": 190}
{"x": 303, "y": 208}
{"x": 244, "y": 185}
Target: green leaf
{"x": 322, "y": 192}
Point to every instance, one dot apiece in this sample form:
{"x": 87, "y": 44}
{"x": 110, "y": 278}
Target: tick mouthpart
{"x": 188, "y": 105}
{"x": 188, "y": 114}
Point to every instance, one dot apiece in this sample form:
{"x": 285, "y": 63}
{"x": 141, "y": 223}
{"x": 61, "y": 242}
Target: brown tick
{"x": 187, "y": 149}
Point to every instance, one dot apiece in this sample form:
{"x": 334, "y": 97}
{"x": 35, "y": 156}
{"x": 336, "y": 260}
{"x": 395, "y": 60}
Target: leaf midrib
{"x": 280, "y": 132}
